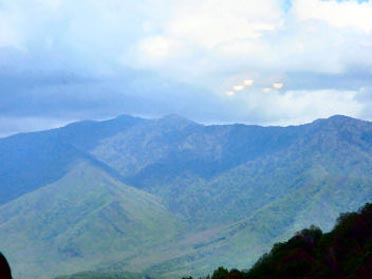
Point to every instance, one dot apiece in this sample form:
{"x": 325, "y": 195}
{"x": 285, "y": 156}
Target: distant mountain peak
{"x": 340, "y": 117}
{"x": 176, "y": 120}
{"x": 337, "y": 120}
{"x": 126, "y": 116}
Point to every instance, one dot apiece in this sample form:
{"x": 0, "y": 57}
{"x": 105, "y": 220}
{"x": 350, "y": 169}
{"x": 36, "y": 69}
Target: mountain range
{"x": 170, "y": 197}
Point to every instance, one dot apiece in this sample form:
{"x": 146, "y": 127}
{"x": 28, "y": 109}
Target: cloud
{"x": 297, "y": 107}
{"x": 9, "y": 33}
{"x": 195, "y": 31}
{"x": 194, "y": 41}
{"x": 156, "y": 49}
{"x": 343, "y": 14}
{"x": 248, "y": 82}
{"x": 211, "y": 39}
{"x": 278, "y": 85}
{"x": 238, "y": 87}
{"x": 68, "y": 59}
{"x": 304, "y": 106}
{"x": 211, "y": 23}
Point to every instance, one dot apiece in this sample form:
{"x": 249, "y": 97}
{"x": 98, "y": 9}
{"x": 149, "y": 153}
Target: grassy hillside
{"x": 79, "y": 222}
{"x": 345, "y": 252}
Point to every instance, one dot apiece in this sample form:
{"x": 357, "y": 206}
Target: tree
{"x": 220, "y": 273}
{"x": 5, "y": 272}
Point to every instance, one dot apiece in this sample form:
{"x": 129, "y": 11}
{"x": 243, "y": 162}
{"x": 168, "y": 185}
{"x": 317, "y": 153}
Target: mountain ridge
{"x": 217, "y": 187}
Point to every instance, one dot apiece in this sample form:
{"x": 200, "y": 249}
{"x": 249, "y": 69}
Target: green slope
{"x": 240, "y": 244}
{"x": 79, "y": 222}
{"x": 201, "y": 196}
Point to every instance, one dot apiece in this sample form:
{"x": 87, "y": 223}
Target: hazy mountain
{"x": 199, "y": 196}
{"x": 29, "y": 161}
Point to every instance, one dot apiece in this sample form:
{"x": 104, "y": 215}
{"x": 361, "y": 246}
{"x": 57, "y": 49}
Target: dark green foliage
{"x": 220, "y": 273}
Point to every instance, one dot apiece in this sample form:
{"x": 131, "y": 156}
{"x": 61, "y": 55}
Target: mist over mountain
{"x": 169, "y": 197}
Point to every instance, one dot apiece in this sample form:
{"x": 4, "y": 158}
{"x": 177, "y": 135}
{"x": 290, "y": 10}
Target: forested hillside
{"x": 167, "y": 197}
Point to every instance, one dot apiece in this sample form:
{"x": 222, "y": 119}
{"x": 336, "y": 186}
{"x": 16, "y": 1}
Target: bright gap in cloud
{"x": 298, "y": 107}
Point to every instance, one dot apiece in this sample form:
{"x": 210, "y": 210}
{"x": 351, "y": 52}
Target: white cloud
{"x": 157, "y": 48}
{"x": 338, "y": 14}
{"x": 10, "y": 35}
{"x": 248, "y": 82}
{"x": 238, "y": 87}
{"x": 259, "y": 37}
{"x": 199, "y": 29}
{"x": 230, "y": 93}
{"x": 304, "y": 106}
{"x": 298, "y": 106}
{"x": 278, "y": 85}
{"x": 211, "y": 23}
{"x": 21, "y": 22}
{"x": 195, "y": 39}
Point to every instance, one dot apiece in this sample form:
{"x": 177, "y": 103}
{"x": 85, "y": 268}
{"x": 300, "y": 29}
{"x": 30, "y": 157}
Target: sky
{"x": 266, "y": 62}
